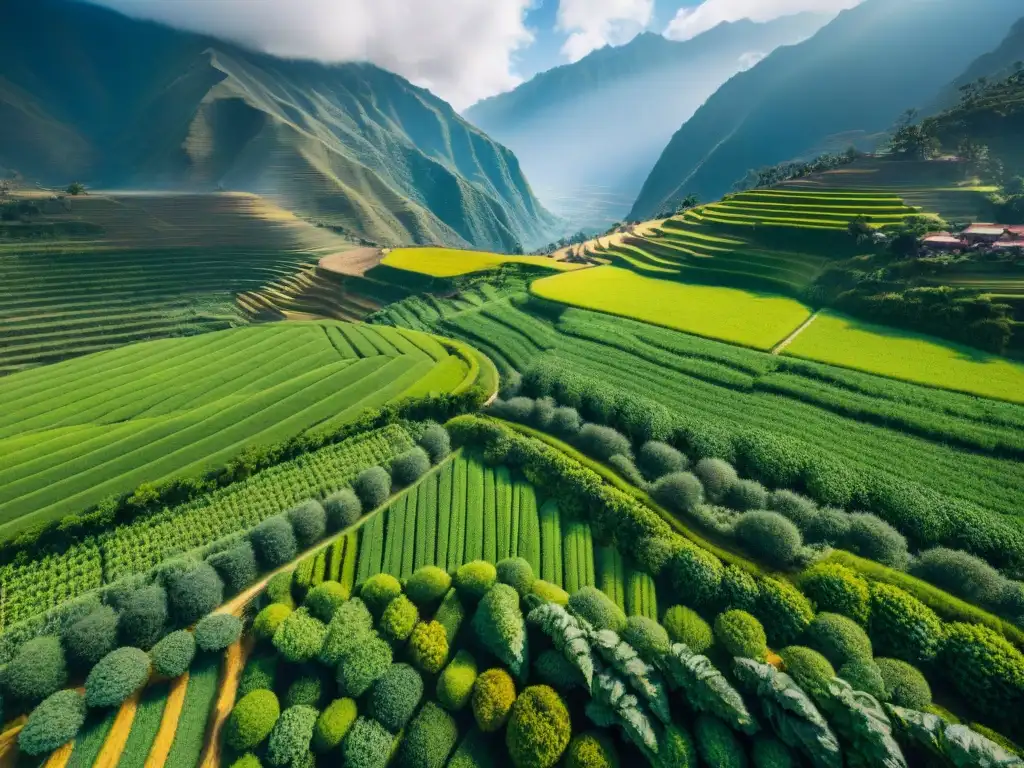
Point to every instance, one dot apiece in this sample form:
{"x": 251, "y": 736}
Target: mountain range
{"x": 88, "y": 94}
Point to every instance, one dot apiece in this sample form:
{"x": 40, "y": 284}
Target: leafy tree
{"x": 75, "y": 189}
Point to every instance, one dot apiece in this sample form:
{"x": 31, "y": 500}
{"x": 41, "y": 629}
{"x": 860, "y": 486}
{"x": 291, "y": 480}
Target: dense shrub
{"x": 378, "y": 591}
{"x": 864, "y": 676}
{"x": 173, "y": 655}
{"x": 367, "y": 745}
{"x": 409, "y": 467}
{"x": 746, "y": 495}
{"x": 963, "y": 574}
{"x": 904, "y": 685}
{"x": 771, "y": 753}
{"x": 830, "y": 526}
{"x": 309, "y": 521}
{"x": 248, "y": 760}
{"x": 517, "y": 409}
{"x": 252, "y": 720}
{"x": 717, "y": 745}
{"x": 451, "y": 614}
{"x": 871, "y": 537}
{"x": 838, "y": 639}
{"x": 985, "y": 669}
{"x": 592, "y": 749}
{"x": 474, "y": 579}
{"x": 91, "y": 637}
{"x": 647, "y": 637}
{"x": 428, "y": 647}
{"x": 517, "y": 573}
{"x": 902, "y": 626}
{"x": 501, "y": 629}
{"x": 363, "y": 665}
{"x": 193, "y": 593}
{"x": 657, "y": 459}
{"x": 143, "y": 617}
{"x": 279, "y": 588}
{"x": 306, "y": 690}
{"x": 543, "y": 413}
{"x": 291, "y": 736}
{"x": 697, "y": 575}
{"x": 679, "y": 492}
{"x": 552, "y": 668}
{"x": 626, "y": 469}
{"x": 342, "y": 509}
{"x": 436, "y": 441}
{"x": 739, "y": 590}
{"x": 602, "y": 442}
{"x": 685, "y": 625}
{"x": 217, "y": 631}
{"x": 741, "y": 635}
{"x": 394, "y": 696}
{"x": 373, "y": 487}
{"x": 837, "y": 589}
{"x": 455, "y": 685}
{"x": 783, "y": 610}
{"x": 565, "y": 423}
{"x": 796, "y": 508}
{"x": 117, "y": 676}
{"x": 808, "y": 668}
{"x": 769, "y": 537}
{"x": 717, "y": 477}
{"x": 676, "y": 749}
{"x": 595, "y": 607}
{"x": 300, "y": 636}
{"x": 269, "y": 619}
{"x": 53, "y": 723}
{"x": 549, "y": 593}
{"x": 324, "y": 599}
{"x": 260, "y": 673}
{"x": 236, "y": 566}
{"x": 429, "y": 739}
{"x": 351, "y": 623}
{"x": 333, "y": 724}
{"x": 274, "y": 542}
{"x": 428, "y": 586}
{"x": 37, "y": 670}
{"x": 538, "y": 728}
{"x": 494, "y": 693}
{"x": 399, "y": 619}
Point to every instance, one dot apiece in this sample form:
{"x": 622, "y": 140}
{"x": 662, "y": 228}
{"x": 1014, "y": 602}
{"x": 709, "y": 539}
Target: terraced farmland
{"x": 448, "y": 262}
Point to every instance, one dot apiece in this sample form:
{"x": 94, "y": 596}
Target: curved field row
{"x": 447, "y": 262}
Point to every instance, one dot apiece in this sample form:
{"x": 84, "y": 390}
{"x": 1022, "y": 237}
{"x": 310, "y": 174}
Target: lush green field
{"x": 754, "y": 320}
{"x": 76, "y": 433}
{"x": 840, "y": 340}
{"x": 447, "y": 262}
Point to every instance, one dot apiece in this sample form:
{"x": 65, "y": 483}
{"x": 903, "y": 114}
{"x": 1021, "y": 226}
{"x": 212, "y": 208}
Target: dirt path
{"x": 61, "y": 757}
{"x": 777, "y": 349}
{"x": 354, "y": 263}
{"x": 234, "y": 663}
{"x": 161, "y": 748}
{"x": 9, "y": 743}
{"x": 110, "y": 754}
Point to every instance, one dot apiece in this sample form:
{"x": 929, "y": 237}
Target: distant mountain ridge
{"x": 857, "y": 74}
{"x": 597, "y": 126}
{"x": 86, "y": 93}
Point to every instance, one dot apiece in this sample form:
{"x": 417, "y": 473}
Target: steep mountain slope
{"x": 994, "y": 65}
{"x": 590, "y": 131}
{"x": 859, "y": 73}
{"x": 87, "y": 93}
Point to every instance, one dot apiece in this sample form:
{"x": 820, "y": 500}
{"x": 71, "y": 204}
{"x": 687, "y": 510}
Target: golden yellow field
{"x": 448, "y": 262}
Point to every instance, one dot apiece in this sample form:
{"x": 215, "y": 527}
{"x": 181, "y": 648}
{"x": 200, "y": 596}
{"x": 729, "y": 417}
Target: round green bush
{"x": 647, "y": 637}
{"x": 248, "y": 760}
{"x": 367, "y": 745}
{"x": 595, "y": 607}
{"x": 769, "y": 537}
{"x": 905, "y": 686}
{"x": 429, "y": 739}
{"x": 436, "y": 441}
{"x": 409, "y": 467}
{"x": 143, "y": 617}
{"x": 378, "y": 591}
{"x": 236, "y": 566}
{"x": 865, "y": 676}
{"x": 342, "y": 509}
{"x": 428, "y": 586}
{"x": 676, "y": 749}
{"x": 300, "y": 637}
{"x": 566, "y": 423}
{"x": 517, "y": 573}
{"x": 217, "y": 631}
{"x": 252, "y": 720}
{"x": 626, "y": 469}
{"x": 269, "y": 619}
{"x": 539, "y": 728}
{"x": 473, "y": 580}
{"x": 685, "y": 625}
{"x": 965, "y": 575}
{"x": 352, "y": 622}
{"x": 455, "y": 685}
{"x": 37, "y": 670}
{"x": 549, "y": 593}
{"x": 783, "y": 610}
{"x": 324, "y": 599}
{"x": 373, "y": 487}
{"x": 173, "y": 655}
{"x": 306, "y": 690}
{"x": 717, "y": 745}
{"x": 260, "y": 673}
{"x": 428, "y": 647}
{"x": 717, "y": 477}
{"x": 871, "y": 537}
{"x": 771, "y": 753}
{"x": 394, "y": 696}
{"x": 364, "y": 663}
{"x": 602, "y": 442}
{"x": 291, "y": 736}
{"x": 52, "y": 724}
{"x": 808, "y": 668}
{"x": 838, "y": 639}
{"x": 309, "y": 521}
{"x": 746, "y": 495}
{"x": 592, "y": 749}
{"x": 274, "y": 542}
{"x": 117, "y": 676}
{"x": 552, "y": 668}
{"x": 333, "y": 724}
{"x": 193, "y": 593}
{"x": 494, "y": 693}
{"x": 399, "y": 619}
{"x": 798, "y": 509}
{"x": 741, "y": 635}
{"x": 679, "y": 492}
{"x": 834, "y": 588}
{"x": 92, "y": 637}
{"x": 279, "y": 588}
{"x": 697, "y": 575}
{"x": 739, "y": 590}
{"x": 830, "y": 526}
{"x": 657, "y": 459}
{"x": 902, "y": 626}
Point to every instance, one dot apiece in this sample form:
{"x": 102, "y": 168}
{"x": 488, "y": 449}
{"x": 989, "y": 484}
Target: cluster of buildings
{"x": 994, "y": 237}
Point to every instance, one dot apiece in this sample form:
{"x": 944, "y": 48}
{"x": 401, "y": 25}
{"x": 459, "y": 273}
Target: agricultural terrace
{"x": 75, "y": 433}
{"x": 742, "y": 317}
{"x": 840, "y": 340}
{"x": 448, "y": 262}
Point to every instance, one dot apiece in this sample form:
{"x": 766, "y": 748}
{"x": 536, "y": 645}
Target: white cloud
{"x": 751, "y": 58}
{"x": 460, "y": 49}
{"x": 690, "y": 22}
{"x": 592, "y": 24}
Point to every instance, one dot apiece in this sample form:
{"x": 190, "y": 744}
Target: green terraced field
{"x": 75, "y": 433}
{"x": 448, "y": 262}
